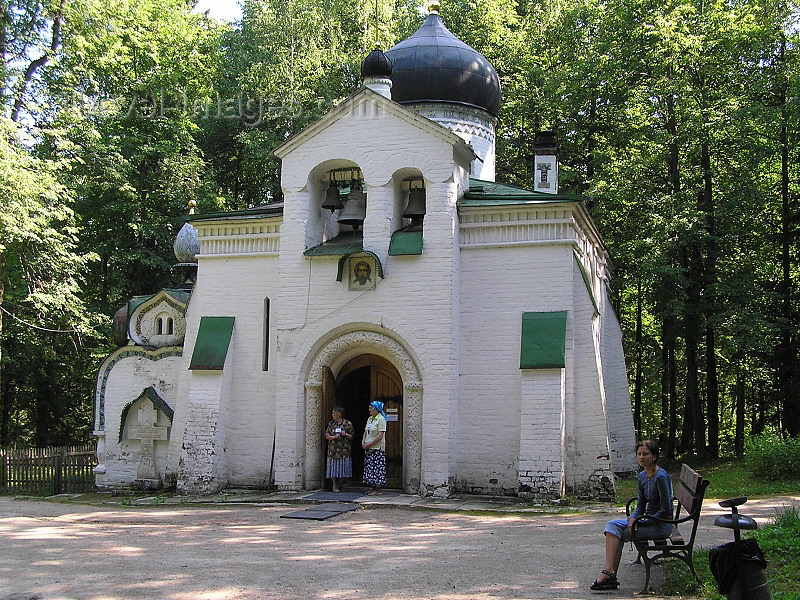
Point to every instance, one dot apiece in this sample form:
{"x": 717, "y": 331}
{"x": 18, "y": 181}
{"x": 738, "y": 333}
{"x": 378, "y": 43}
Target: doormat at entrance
{"x": 320, "y": 513}
{"x": 334, "y": 496}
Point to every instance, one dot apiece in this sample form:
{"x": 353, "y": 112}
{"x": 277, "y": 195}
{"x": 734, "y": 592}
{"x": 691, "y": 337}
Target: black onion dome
{"x": 433, "y": 65}
{"x": 377, "y": 64}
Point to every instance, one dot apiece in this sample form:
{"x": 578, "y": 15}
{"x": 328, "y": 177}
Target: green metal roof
{"x": 344, "y": 243}
{"x": 211, "y": 346}
{"x": 491, "y": 193}
{"x": 265, "y": 210}
{"x": 406, "y": 241}
{"x": 181, "y": 296}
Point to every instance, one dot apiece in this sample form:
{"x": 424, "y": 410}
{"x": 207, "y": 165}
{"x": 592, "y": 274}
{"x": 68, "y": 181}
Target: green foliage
{"x": 771, "y": 458}
{"x": 679, "y": 122}
{"x": 780, "y": 541}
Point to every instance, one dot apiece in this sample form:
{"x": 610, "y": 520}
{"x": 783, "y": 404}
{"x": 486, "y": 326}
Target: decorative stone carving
{"x": 159, "y": 321}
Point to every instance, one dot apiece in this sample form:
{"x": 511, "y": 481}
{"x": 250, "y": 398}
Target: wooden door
{"x": 363, "y": 379}
{"x": 386, "y": 386}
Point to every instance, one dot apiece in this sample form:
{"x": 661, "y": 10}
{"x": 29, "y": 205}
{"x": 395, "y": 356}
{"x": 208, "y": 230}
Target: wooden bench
{"x": 688, "y": 500}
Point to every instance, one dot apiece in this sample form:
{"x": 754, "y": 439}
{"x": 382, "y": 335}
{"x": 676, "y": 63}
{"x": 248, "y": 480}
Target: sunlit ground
{"x": 66, "y": 552}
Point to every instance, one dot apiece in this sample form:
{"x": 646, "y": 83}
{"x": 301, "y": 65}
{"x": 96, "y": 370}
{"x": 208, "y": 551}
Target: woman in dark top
{"x": 339, "y": 434}
{"x": 655, "y": 499}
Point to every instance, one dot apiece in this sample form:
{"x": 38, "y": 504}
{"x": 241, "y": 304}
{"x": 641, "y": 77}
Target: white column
{"x": 378, "y": 221}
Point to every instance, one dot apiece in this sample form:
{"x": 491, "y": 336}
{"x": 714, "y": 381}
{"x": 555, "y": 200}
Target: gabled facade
{"x": 479, "y": 313}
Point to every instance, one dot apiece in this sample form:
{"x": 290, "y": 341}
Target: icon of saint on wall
{"x": 362, "y": 273}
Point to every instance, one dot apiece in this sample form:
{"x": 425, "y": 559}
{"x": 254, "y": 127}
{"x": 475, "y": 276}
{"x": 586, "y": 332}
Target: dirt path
{"x": 52, "y": 551}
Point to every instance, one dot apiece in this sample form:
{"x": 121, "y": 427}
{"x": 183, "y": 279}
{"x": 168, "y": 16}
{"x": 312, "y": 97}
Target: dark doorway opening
{"x": 363, "y": 379}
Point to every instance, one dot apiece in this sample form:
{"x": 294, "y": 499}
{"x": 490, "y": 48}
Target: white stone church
{"x": 395, "y": 269}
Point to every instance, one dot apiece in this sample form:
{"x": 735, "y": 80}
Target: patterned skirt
{"x": 375, "y": 467}
{"x": 339, "y": 468}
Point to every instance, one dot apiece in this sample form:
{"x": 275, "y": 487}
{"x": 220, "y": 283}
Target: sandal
{"x": 612, "y": 583}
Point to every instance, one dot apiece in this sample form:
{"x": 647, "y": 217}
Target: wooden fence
{"x": 48, "y": 471}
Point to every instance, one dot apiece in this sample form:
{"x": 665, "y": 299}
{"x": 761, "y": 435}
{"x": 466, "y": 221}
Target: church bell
{"x": 333, "y": 200}
{"x": 416, "y": 204}
{"x": 355, "y": 209}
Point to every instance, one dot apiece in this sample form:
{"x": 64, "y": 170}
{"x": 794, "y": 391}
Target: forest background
{"x": 678, "y": 120}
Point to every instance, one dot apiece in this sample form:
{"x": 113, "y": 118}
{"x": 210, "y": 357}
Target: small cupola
{"x": 186, "y": 248}
{"x": 376, "y": 71}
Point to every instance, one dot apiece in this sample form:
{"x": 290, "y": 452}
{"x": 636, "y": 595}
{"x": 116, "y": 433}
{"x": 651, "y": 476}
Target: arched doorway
{"x": 334, "y": 354}
{"x": 361, "y": 380}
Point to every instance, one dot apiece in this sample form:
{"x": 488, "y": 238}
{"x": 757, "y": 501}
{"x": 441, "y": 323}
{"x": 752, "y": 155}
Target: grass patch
{"x": 780, "y": 542}
{"x": 730, "y": 479}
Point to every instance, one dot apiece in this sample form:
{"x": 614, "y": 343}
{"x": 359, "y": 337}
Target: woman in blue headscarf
{"x": 374, "y": 444}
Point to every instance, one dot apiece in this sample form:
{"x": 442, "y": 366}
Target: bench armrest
{"x": 637, "y": 520}
{"x": 629, "y": 504}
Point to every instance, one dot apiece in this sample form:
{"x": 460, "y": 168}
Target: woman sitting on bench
{"x": 655, "y": 499}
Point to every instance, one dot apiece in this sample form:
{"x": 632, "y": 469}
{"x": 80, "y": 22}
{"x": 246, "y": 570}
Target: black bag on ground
{"x": 722, "y": 560}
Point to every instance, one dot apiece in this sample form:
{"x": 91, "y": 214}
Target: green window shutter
{"x": 211, "y": 346}
{"x": 543, "y": 340}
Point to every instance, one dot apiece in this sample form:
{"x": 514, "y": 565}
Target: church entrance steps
{"x": 325, "y": 496}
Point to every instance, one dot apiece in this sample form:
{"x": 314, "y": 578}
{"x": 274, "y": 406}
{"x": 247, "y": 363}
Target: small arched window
{"x": 164, "y": 325}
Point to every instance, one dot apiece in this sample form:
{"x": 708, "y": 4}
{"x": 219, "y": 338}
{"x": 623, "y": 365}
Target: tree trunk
{"x": 709, "y": 281}
{"x": 738, "y": 443}
{"x": 5, "y": 402}
{"x": 34, "y": 65}
{"x": 694, "y": 424}
{"x": 664, "y": 437}
{"x": 673, "y": 398}
{"x": 757, "y": 426}
{"x": 693, "y": 401}
{"x": 637, "y": 388}
{"x": 712, "y": 393}
{"x": 788, "y": 370}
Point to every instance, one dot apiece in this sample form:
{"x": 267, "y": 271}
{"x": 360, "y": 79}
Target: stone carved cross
{"x": 147, "y": 433}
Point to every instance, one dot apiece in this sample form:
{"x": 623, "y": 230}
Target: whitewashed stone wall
{"x": 227, "y": 417}
{"x": 122, "y": 378}
{"x": 622, "y": 436}
{"x": 449, "y": 319}
{"x": 473, "y": 125}
{"x": 589, "y": 472}
{"x": 395, "y": 306}
{"x": 546, "y": 428}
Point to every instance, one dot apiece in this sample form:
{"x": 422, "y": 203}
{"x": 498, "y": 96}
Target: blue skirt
{"x": 339, "y": 468}
{"x": 656, "y": 531}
